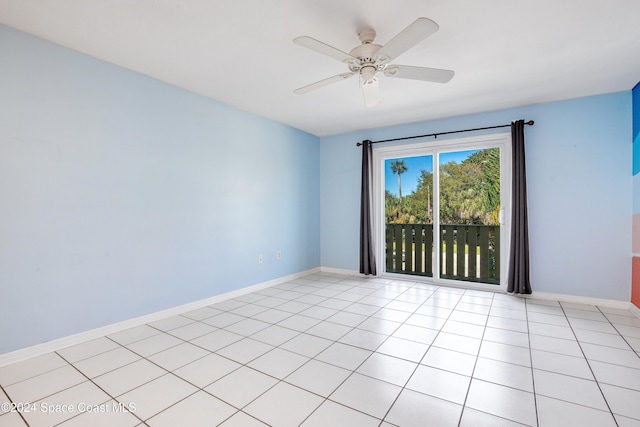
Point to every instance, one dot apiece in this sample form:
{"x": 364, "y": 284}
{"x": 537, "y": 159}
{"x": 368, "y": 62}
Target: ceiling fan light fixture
{"x": 368, "y": 73}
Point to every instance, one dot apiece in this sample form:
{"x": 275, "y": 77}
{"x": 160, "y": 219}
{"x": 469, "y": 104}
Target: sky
{"x": 414, "y": 166}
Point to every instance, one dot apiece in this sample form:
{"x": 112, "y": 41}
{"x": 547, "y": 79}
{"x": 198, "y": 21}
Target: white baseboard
{"x": 624, "y": 305}
{"x": 340, "y": 271}
{"x": 635, "y": 310}
{"x": 60, "y": 343}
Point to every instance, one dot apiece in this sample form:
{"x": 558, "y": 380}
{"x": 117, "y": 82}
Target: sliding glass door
{"x": 440, "y": 209}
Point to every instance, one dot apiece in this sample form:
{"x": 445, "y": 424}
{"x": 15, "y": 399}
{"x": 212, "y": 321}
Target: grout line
{"x": 589, "y": 365}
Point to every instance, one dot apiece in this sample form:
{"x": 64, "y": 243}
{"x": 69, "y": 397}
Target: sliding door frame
{"x": 435, "y": 148}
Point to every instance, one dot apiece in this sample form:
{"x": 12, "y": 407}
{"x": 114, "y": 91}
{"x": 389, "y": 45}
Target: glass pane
{"x": 469, "y": 215}
{"x": 409, "y": 215}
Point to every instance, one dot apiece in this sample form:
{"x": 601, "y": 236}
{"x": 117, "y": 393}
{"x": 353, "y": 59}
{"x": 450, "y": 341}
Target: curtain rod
{"x": 435, "y": 135}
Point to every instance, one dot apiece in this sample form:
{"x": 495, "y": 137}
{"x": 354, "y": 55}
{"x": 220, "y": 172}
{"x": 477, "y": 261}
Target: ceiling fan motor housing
{"x": 368, "y": 64}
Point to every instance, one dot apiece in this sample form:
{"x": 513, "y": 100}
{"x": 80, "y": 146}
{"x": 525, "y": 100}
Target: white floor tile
{"x": 29, "y": 368}
{"x": 416, "y": 333}
{"x": 240, "y": 419}
{"x": 191, "y": 331}
{"x": 616, "y": 375}
{"x": 561, "y": 364}
{"x": 626, "y": 422}
{"x": 272, "y": 316}
{"x": 306, "y": 345}
{"x": 241, "y": 386}
{"x": 87, "y": 349}
{"x": 504, "y": 336}
{"x": 464, "y": 329}
{"x": 157, "y": 395}
{"x": 441, "y": 384}
{"x": 45, "y": 384}
{"x": 379, "y": 326}
{"x": 426, "y": 321}
{"x": 244, "y": 350}
{"x": 77, "y": 397}
{"x": 611, "y": 355}
{"x": 330, "y": 331}
{"x": 344, "y": 356}
{"x": 387, "y": 368}
{"x": 170, "y": 323}
{"x": 247, "y": 327}
{"x": 132, "y": 335}
{"x": 465, "y": 317}
{"x": 508, "y": 313}
{"x": 223, "y": 319}
{"x": 505, "y": 353}
{"x": 108, "y": 414}
{"x": 403, "y": 349}
{"x": 203, "y": 372}
{"x": 278, "y": 363}
{"x": 449, "y": 360}
{"x": 363, "y": 339}
{"x": 201, "y": 313}
{"x": 268, "y": 407}
{"x": 299, "y": 323}
{"x": 551, "y": 319}
{"x": 128, "y": 377}
{"x": 274, "y": 335}
{"x": 376, "y": 401}
{"x": 556, "y": 345}
{"x": 198, "y": 409}
{"x": 601, "y": 338}
{"x": 505, "y": 402}
{"x": 335, "y": 415}
{"x": 592, "y": 325}
{"x": 448, "y": 346}
{"x": 12, "y": 419}
{"x": 508, "y": 324}
{"x": 413, "y": 409}
{"x": 154, "y": 344}
{"x": 570, "y": 389}
{"x": 216, "y": 340}
{"x": 550, "y": 330}
{"x": 457, "y": 343}
{"x": 178, "y": 356}
{"x": 506, "y": 374}
{"x": 558, "y": 413}
{"x": 623, "y": 401}
{"x": 473, "y": 418}
{"x": 318, "y": 377}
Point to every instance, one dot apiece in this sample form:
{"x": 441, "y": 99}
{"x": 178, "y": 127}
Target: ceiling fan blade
{"x": 321, "y": 83}
{"x": 324, "y": 49}
{"x": 371, "y": 93}
{"x": 417, "y": 31}
{"x": 419, "y": 73}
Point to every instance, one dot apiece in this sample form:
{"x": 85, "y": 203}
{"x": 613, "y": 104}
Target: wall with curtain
{"x": 121, "y": 195}
{"x": 579, "y": 182}
{"x": 635, "y": 287}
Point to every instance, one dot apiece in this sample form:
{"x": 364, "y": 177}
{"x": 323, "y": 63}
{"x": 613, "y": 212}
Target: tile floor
{"x": 332, "y": 350}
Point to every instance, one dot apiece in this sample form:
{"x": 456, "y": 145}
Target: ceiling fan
{"x": 370, "y": 58}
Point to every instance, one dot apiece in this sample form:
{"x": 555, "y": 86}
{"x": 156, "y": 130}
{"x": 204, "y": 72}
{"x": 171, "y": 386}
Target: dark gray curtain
{"x": 518, "y": 279}
{"x": 367, "y": 256}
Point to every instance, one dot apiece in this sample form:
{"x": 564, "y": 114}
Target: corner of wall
{"x": 635, "y": 230}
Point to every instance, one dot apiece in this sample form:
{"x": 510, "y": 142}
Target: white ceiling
{"x": 505, "y": 53}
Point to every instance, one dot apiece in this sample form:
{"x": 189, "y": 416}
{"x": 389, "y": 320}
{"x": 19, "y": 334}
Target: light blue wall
{"x": 121, "y": 195}
{"x": 579, "y": 181}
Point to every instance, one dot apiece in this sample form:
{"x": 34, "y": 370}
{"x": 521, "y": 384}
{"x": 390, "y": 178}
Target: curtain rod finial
{"x": 530, "y": 122}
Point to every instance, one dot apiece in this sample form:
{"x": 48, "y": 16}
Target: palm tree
{"x": 399, "y": 167}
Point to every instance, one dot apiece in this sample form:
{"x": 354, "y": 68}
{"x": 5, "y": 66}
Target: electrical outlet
{"x": 279, "y": 255}
{"x": 260, "y": 259}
